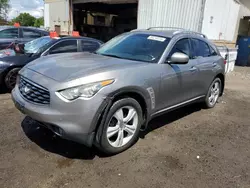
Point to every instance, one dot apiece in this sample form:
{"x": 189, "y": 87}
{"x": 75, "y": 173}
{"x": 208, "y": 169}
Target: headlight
{"x": 86, "y": 91}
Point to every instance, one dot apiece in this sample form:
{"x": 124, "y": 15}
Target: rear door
{"x": 207, "y": 63}
{"x": 7, "y": 36}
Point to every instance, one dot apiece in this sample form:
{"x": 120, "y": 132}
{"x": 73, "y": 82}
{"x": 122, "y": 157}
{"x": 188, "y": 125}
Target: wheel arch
{"x": 142, "y": 97}
{"x": 222, "y": 78}
{"x": 137, "y": 93}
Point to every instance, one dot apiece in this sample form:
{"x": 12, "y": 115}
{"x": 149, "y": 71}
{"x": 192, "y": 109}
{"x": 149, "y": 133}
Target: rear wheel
{"x": 122, "y": 126}
{"x": 10, "y": 78}
{"x": 213, "y": 93}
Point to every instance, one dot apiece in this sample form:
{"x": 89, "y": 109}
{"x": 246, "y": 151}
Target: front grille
{"x": 33, "y": 92}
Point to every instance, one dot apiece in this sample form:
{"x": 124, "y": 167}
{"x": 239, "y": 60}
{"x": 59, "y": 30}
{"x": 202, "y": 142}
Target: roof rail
{"x": 179, "y": 30}
{"x": 190, "y": 32}
{"x": 167, "y": 28}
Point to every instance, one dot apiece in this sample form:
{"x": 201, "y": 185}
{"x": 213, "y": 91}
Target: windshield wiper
{"x": 111, "y": 55}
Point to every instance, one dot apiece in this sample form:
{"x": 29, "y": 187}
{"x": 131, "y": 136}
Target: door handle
{"x": 214, "y": 64}
{"x": 193, "y": 69}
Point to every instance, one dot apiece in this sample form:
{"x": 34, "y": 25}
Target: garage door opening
{"x": 104, "y": 21}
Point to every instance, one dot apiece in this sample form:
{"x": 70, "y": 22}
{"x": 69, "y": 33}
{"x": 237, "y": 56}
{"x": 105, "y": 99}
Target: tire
{"x": 110, "y": 143}
{"x": 10, "y": 78}
{"x": 214, "y": 90}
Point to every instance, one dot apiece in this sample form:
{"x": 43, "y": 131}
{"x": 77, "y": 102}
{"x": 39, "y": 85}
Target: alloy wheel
{"x": 10, "y": 80}
{"x": 122, "y": 126}
{"x": 214, "y": 93}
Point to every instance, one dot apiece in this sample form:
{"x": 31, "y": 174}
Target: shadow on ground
{"x": 3, "y": 90}
{"x": 48, "y": 141}
{"x": 167, "y": 118}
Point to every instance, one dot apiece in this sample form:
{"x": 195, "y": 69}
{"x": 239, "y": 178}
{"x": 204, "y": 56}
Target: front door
{"x": 179, "y": 80}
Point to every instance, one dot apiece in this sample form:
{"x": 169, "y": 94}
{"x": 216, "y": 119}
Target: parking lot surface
{"x": 190, "y": 147}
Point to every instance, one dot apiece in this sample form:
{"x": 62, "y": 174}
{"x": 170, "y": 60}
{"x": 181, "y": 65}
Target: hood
{"x": 19, "y": 60}
{"x": 69, "y": 66}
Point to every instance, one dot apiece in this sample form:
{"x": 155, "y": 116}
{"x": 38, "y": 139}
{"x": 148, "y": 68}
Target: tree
{"x": 4, "y": 7}
{"x": 39, "y": 22}
{"x": 25, "y": 19}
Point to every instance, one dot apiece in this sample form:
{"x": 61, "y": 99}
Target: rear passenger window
{"x": 89, "y": 46}
{"x": 201, "y": 49}
{"x": 182, "y": 46}
{"x": 28, "y": 33}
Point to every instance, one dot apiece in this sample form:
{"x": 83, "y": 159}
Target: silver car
{"x": 105, "y": 98}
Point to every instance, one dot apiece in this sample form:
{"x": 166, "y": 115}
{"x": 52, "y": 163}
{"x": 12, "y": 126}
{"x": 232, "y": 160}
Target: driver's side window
{"x": 182, "y": 46}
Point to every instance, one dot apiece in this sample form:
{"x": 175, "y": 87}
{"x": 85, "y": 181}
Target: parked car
{"x": 105, "y": 98}
{"x": 11, "y": 34}
{"x": 10, "y": 64}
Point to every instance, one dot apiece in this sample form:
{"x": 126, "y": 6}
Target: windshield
{"x": 138, "y": 47}
{"x": 34, "y": 46}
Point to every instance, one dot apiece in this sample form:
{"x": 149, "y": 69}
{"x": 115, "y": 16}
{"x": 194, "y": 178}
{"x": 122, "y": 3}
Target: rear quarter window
{"x": 213, "y": 51}
{"x": 29, "y": 33}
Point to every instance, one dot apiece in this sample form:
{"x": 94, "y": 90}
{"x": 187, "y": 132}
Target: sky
{"x": 34, "y": 7}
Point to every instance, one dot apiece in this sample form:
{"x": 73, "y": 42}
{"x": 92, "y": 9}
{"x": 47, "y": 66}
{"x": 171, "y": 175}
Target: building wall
{"x": 57, "y": 12}
{"x": 243, "y": 25}
{"x": 46, "y": 16}
{"x": 170, "y": 13}
{"x": 220, "y": 19}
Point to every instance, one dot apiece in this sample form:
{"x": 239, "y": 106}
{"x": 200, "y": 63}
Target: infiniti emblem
{"x": 26, "y": 89}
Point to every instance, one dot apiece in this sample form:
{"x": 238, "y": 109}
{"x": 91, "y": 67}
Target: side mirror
{"x": 179, "y": 58}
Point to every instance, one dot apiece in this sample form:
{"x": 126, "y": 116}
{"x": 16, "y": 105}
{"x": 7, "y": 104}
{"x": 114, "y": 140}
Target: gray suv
{"x": 105, "y": 98}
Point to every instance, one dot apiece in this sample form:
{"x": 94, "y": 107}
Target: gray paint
{"x": 163, "y": 86}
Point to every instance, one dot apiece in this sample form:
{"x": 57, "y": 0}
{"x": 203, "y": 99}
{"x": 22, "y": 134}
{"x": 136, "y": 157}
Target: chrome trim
{"x": 33, "y": 83}
{"x": 177, "y": 105}
{"x": 152, "y": 97}
{"x": 36, "y": 85}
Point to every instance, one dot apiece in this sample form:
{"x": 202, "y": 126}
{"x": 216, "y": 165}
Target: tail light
{"x": 225, "y": 59}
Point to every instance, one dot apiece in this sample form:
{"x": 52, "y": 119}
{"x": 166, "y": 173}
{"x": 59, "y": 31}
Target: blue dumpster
{"x": 243, "y": 58}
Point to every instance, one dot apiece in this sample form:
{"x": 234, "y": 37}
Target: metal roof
{"x": 35, "y": 28}
{"x": 106, "y": 1}
{"x": 168, "y": 31}
{"x": 162, "y": 33}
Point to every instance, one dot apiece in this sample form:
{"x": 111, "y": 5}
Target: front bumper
{"x": 74, "y": 120}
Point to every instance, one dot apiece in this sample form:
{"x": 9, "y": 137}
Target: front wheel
{"x": 10, "y": 78}
{"x": 122, "y": 126}
{"x": 213, "y": 93}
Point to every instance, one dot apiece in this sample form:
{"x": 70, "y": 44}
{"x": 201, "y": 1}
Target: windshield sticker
{"x": 160, "y": 39}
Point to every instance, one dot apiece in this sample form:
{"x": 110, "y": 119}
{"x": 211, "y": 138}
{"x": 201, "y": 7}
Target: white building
{"x": 218, "y": 19}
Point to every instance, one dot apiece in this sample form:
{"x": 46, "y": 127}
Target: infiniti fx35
{"x": 105, "y": 98}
